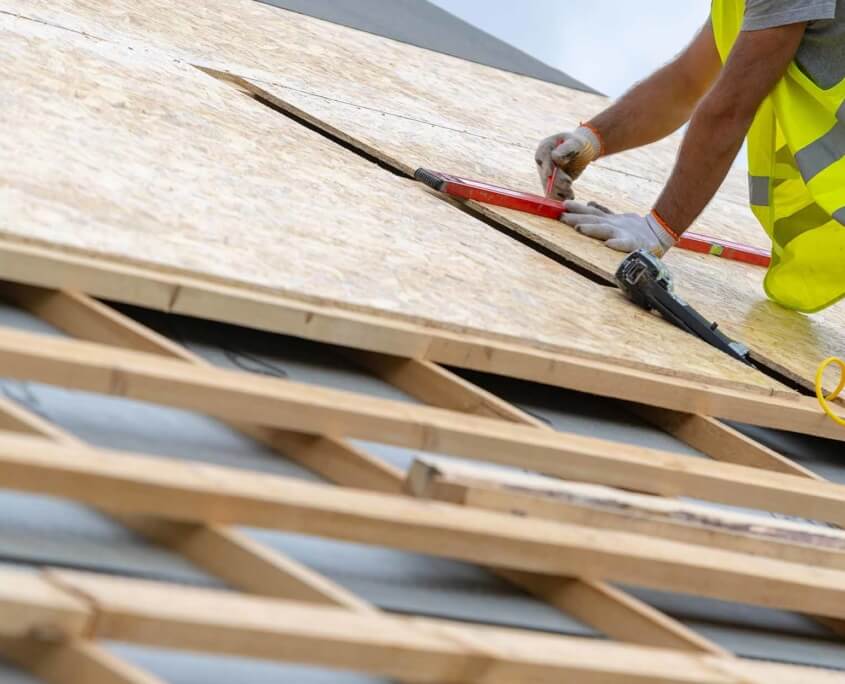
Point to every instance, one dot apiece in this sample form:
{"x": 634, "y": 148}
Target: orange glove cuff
{"x": 598, "y": 135}
{"x": 657, "y": 217}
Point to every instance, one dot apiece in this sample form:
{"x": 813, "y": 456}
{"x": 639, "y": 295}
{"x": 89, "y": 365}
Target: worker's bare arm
{"x": 664, "y": 101}
{"x": 651, "y": 110}
{"x": 757, "y": 62}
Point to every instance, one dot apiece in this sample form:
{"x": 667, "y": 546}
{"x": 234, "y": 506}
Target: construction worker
{"x": 773, "y": 70}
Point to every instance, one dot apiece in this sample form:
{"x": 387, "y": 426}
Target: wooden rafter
{"x": 144, "y": 485}
{"x": 597, "y": 603}
{"x": 132, "y": 285}
{"x": 154, "y": 614}
{"x": 604, "y": 508}
{"x": 436, "y": 386}
{"x": 223, "y": 552}
{"x": 226, "y": 553}
{"x": 605, "y": 608}
{"x": 80, "y": 311}
{"x": 284, "y": 404}
{"x": 74, "y": 660}
{"x": 85, "y": 318}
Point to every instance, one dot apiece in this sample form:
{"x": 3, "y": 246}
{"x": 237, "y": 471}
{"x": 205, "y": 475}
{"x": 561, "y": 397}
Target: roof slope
{"x": 425, "y": 25}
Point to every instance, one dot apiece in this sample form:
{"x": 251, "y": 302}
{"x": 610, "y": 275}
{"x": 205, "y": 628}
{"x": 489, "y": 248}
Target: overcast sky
{"x": 608, "y": 44}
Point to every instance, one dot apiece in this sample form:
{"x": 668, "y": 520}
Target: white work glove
{"x": 622, "y": 232}
{"x": 570, "y": 153}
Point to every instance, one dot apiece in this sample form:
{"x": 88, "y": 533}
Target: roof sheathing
{"x": 140, "y": 437}
{"x": 424, "y": 24}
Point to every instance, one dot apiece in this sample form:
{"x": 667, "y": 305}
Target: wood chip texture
{"x": 412, "y": 107}
{"x": 125, "y": 153}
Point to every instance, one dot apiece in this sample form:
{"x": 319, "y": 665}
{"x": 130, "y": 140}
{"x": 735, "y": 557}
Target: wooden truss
{"x": 433, "y": 650}
{"x": 550, "y": 548}
{"x": 592, "y": 512}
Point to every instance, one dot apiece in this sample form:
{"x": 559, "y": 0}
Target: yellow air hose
{"x": 824, "y": 400}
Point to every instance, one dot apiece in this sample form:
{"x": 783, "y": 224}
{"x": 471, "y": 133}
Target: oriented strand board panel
{"x": 413, "y": 108}
{"x": 343, "y": 65}
{"x": 118, "y": 153}
{"x": 725, "y": 291}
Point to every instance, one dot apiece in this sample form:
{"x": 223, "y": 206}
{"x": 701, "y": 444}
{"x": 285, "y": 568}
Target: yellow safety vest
{"x": 796, "y": 165}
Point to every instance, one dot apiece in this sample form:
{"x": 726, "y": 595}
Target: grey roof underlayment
{"x": 36, "y": 530}
{"x": 426, "y": 25}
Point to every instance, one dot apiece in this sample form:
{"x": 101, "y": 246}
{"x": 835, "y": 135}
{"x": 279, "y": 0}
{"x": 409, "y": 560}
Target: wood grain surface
{"x": 133, "y": 157}
{"x": 725, "y": 291}
{"x": 383, "y": 77}
{"x": 412, "y": 107}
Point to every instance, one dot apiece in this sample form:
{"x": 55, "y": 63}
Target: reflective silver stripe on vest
{"x": 809, "y": 218}
{"x": 758, "y": 190}
{"x": 822, "y": 153}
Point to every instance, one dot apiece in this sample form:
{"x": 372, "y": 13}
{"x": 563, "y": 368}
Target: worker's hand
{"x": 622, "y": 232}
{"x": 570, "y": 153}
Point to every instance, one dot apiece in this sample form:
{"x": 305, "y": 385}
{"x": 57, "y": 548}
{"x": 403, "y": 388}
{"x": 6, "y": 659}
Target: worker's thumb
{"x": 566, "y": 152}
{"x": 570, "y": 156}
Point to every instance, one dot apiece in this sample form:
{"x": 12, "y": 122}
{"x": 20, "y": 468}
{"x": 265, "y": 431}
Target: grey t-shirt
{"x": 821, "y": 54}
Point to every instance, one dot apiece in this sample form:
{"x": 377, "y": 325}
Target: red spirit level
{"x": 538, "y": 205}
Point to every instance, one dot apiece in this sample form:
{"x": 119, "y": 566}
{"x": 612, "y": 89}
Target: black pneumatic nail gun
{"x": 646, "y": 281}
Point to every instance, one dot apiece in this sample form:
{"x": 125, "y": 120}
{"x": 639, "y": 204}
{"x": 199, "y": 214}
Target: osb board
{"x": 401, "y": 93}
{"x": 314, "y": 57}
{"x": 725, "y": 291}
{"x": 119, "y": 153}
{"x": 413, "y": 107}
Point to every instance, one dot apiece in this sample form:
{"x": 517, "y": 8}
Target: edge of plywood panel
{"x": 500, "y": 219}
{"x": 756, "y": 405}
{"x": 282, "y": 312}
{"x": 253, "y": 86}
{"x": 275, "y": 313}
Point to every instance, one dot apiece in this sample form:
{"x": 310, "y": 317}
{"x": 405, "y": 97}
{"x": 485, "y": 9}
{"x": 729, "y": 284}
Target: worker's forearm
{"x": 648, "y": 112}
{"x": 711, "y": 144}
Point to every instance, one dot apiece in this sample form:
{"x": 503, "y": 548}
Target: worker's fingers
{"x": 569, "y": 156}
{"x": 576, "y": 220}
{"x": 543, "y": 157}
{"x": 598, "y": 231}
{"x": 581, "y": 209}
{"x": 562, "y": 188}
{"x": 563, "y": 154}
{"x": 623, "y": 243}
{"x": 600, "y": 207}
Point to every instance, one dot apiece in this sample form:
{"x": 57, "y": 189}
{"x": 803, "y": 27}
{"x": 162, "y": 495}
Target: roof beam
{"x": 85, "y": 318}
{"x": 276, "y": 313}
{"x": 245, "y": 397}
{"x": 218, "y": 622}
{"x": 605, "y": 508}
{"x": 597, "y": 604}
{"x": 72, "y": 661}
{"x": 190, "y": 492}
{"x": 223, "y": 552}
{"x": 33, "y": 607}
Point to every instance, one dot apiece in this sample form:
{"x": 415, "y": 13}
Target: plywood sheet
{"x": 413, "y": 108}
{"x": 313, "y": 57}
{"x": 133, "y": 157}
{"x": 727, "y": 292}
